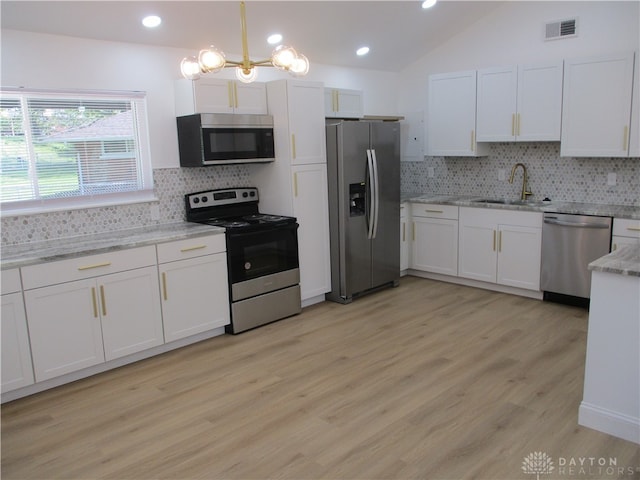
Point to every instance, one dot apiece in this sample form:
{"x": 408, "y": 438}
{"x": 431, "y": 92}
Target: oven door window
{"x": 255, "y": 254}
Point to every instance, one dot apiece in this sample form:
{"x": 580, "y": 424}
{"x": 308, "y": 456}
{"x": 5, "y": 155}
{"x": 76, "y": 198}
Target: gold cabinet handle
{"x": 293, "y": 145}
{"x": 625, "y": 138}
{"x": 404, "y": 237}
{"x": 500, "y": 241}
{"x": 413, "y": 231}
{"x": 433, "y": 211}
{"x": 513, "y": 124}
{"x": 494, "y": 240}
{"x": 164, "y": 286}
{"x": 295, "y": 184}
{"x": 633, "y": 229}
{"x": 103, "y": 301}
{"x": 95, "y": 302}
{"x": 195, "y": 247}
{"x": 235, "y": 94}
{"x": 518, "y": 125}
{"x": 95, "y": 265}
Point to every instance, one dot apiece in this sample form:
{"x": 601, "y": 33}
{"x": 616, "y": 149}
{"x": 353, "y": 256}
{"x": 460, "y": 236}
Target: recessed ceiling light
{"x": 362, "y": 51}
{"x": 274, "y": 39}
{"x": 151, "y": 21}
{"x": 428, "y": 3}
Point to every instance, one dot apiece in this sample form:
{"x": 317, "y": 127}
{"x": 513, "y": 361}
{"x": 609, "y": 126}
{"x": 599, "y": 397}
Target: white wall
{"x": 50, "y": 61}
{"x": 514, "y": 33}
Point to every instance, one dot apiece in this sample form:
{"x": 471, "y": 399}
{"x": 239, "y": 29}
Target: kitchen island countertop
{"x": 21, "y": 255}
{"x": 625, "y": 260}
{"x": 578, "y": 208}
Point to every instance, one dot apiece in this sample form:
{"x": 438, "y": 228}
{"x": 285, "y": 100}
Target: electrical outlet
{"x": 502, "y": 174}
{"x": 155, "y": 212}
{"x": 611, "y": 179}
{"x": 431, "y": 172}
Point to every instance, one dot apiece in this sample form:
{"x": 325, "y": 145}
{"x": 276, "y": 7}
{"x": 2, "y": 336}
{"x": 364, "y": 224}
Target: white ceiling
{"x": 327, "y": 32}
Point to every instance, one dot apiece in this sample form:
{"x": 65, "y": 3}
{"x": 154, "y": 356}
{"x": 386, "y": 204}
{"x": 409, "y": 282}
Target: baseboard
{"x": 610, "y": 422}
{"x": 477, "y": 284}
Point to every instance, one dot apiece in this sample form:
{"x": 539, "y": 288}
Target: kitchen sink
{"x": 502, "y": 201}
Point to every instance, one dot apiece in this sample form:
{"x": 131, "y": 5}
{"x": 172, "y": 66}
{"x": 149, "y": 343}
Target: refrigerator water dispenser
{"x": 357, "y": 199}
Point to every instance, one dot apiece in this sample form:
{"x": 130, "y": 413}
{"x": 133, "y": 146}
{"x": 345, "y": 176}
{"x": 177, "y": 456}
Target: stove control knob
{"x": 196, "y": 200}
{"x": 245, "y": 194}
{"x": 205, "y": 199}
{"x": 253, "y": 194}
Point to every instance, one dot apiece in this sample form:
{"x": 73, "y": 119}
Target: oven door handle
{"x": 371, "y": 210}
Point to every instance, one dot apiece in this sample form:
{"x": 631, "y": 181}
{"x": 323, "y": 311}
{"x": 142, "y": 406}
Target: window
{"x": 64, "y": 150}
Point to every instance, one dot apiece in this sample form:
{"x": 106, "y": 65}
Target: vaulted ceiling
{"x": 327, "y": 32}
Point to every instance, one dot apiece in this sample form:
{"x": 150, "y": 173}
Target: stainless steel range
{"x": 262, "y": 255}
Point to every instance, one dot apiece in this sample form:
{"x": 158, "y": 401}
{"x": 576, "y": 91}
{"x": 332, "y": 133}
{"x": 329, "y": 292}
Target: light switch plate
{"x": 611, "y": 178}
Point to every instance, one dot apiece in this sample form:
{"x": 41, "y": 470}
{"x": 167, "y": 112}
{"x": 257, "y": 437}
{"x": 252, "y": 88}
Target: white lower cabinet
{"x": 310, "y": 201}
{"x": 195, "y": 292}
{"x": 17, "y": 370}
{"x": 435, "y": 238}
{"x": 404, "y": 238}
{"x": 500, "y": 246}
{"x": 625, "y": 232}
{"x": 64, "y": 328}
{"x": 79, "y": 324}
{"x": 101, "y": 307}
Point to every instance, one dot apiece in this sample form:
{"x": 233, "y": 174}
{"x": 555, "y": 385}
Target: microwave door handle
{"x": 376, "y": 194}
{"x": 370, "y": 204}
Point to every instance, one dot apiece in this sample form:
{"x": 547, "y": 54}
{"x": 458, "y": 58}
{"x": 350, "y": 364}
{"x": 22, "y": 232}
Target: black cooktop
{"x": 235, "y": 209}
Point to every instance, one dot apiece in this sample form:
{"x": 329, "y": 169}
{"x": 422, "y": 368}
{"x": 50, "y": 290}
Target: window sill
{"x": 78, "y": 203}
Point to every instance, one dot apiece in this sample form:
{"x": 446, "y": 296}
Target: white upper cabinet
{"x": 596, "y": 108}
{"x": 214, "y": 95}
{"x": 519, "y": 103}
{"x": 343, "y": 103}
{"x": 451, "y": 115}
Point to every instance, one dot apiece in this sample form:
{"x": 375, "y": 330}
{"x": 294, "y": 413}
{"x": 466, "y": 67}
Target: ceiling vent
{"x": 561, "y": 29}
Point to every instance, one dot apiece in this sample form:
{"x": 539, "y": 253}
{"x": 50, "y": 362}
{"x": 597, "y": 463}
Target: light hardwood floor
{"x": 428, "y": 381}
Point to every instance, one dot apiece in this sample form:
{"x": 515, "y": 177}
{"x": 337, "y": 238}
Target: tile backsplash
{"x": 559, "y": 178}
{"x": 170, "y": 184}
{"x": 564, "y": 179}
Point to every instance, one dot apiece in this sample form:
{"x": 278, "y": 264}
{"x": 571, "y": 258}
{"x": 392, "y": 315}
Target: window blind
{"x": 71, "y": 145}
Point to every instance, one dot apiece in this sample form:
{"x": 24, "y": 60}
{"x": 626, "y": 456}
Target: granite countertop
{"x": 579, "y": 208}
{"x": 625, "y": 260}
{"x": 21, "y": 255}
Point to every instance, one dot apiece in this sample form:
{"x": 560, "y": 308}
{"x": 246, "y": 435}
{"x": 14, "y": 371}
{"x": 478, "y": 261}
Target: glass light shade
{"x": 246, "y": 77}
{"x": 211, "y": 60}
{"x": 190, "y": 68}
{"x": 428, "y": 3}
{"x": 283, "y": 57}
{"x": 300, "y": 66}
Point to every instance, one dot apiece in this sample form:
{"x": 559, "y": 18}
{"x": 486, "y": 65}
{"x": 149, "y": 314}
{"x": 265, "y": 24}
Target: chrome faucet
{"x": 525, "y": 191}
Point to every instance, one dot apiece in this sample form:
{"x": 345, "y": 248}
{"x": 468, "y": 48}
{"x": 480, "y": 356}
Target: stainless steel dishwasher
{"x": 569, "y": 244}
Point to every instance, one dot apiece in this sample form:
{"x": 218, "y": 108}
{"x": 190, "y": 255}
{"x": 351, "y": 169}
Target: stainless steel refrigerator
{"x": 363, "y": 169}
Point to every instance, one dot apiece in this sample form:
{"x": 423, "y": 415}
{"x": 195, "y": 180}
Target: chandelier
{"x": 212, "y": 60}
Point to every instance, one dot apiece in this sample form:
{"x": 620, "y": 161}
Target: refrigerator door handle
{"x": 370, "y": 196}
{"x": 376, "y": 194}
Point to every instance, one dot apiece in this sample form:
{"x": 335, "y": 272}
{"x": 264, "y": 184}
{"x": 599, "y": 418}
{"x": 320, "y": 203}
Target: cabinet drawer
{"x": 434, "y": 210}
{"x": 11, "y": 281}
{"x": 190, "y": 248}
{"x": 88, "y": 266}
{"x": 623, "y": 227}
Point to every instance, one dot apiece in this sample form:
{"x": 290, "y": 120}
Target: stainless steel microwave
{"x": 222, "y": 138}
